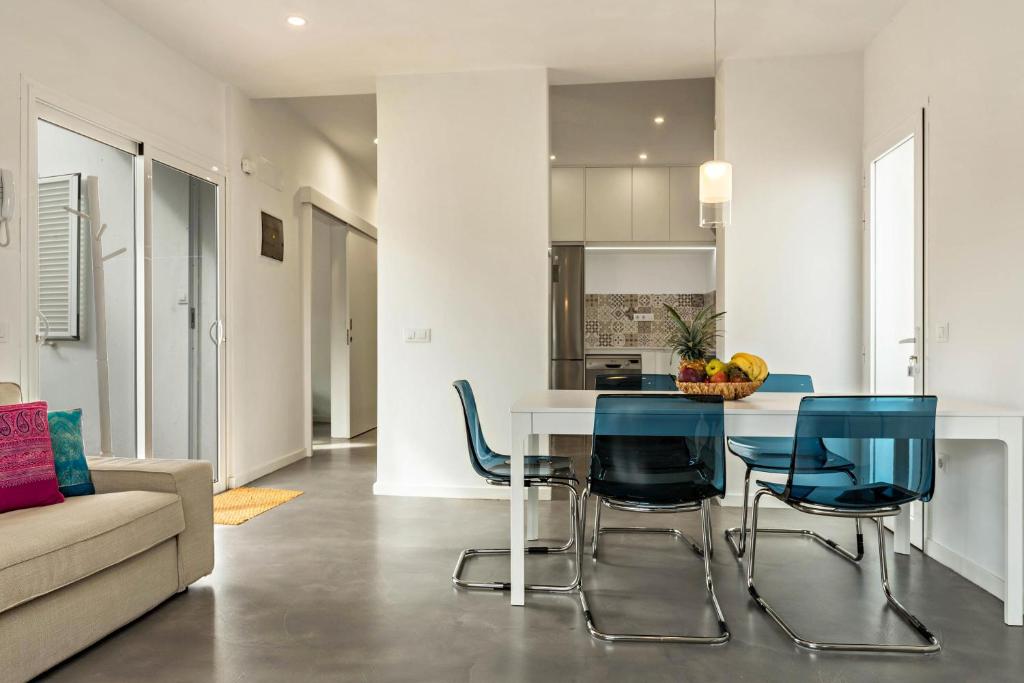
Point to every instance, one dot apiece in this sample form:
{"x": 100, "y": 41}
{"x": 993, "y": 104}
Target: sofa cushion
{"x": 69, "y": 452}
{"x": 27, "y": 475}
{"x": 46, "y": 548}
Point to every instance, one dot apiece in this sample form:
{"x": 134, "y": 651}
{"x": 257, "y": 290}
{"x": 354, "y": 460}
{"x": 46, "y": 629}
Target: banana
{"x": 745, "y": 363}
{"x": 754, "y": 366}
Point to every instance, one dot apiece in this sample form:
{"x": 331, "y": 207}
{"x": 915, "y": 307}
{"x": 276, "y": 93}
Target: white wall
{"x": 111, "y": 69}
{"x": 666, "y": 272}
{"x": 792, "y": 129}
{"x": 463, "y": 180}
{"x": 964, "y": 61}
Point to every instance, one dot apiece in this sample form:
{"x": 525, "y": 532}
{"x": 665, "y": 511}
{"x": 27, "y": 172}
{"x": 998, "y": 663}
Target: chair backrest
{"x": 659, "y": 449}
{"x": 790, "y": 384}
{"x": 635, "y": 382}
{"x": 10, "y": 393}
{"x": 480, "y": 455}
{"x": 889, "y": 439}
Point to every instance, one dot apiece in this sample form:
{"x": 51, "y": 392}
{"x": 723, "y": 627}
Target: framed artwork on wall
{"x": 273, "y": 237}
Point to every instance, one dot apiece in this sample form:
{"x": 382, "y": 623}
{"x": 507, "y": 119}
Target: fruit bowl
{"x": 730, "y": 391}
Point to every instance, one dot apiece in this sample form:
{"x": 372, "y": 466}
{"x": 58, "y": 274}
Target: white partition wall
{"x": 463, "y": 207}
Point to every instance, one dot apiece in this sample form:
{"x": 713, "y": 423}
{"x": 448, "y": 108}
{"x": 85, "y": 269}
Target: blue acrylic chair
{"x": 891, "y": 442}
{"x": 773, "y": 454}
{"x": 635, "y": 382}
{"x": 657, "y": 453}
{"x": 551, "y": 471}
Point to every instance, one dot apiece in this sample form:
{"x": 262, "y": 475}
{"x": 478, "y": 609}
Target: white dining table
{"x": 772, "y": 414}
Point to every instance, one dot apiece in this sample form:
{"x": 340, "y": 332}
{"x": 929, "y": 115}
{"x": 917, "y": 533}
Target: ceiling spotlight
{"x": 552, "y": 157}
{"x": 296, "y": 20}
{"x": 376, "y": 140}
{"x": 659, "y": 120}
{"x": 214, "y": 169}
{"x": 643, "y": 156}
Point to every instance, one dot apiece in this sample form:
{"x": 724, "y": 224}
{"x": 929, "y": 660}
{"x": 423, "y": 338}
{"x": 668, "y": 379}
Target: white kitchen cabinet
{"x": 609, "y": 203}
{"x": 685, "y": 207}
{"x": 651, "y": 204}
{"x": 568, "y": 204}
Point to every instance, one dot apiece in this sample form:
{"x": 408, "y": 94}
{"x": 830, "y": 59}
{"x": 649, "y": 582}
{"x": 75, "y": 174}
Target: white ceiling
{"x": 347, "y": 43}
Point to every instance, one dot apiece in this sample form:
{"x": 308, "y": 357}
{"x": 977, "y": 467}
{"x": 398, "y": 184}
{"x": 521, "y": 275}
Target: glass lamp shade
{"x": 715, "y": 194}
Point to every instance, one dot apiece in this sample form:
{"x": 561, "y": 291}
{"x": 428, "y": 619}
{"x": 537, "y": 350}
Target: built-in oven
{"x": 613, "y": 364}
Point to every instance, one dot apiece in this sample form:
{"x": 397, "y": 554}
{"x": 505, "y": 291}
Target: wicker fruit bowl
{"x": 730, "y": 391}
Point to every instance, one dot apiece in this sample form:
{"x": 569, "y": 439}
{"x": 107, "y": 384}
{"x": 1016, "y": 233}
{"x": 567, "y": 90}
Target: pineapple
{"x": 695, "y": 339}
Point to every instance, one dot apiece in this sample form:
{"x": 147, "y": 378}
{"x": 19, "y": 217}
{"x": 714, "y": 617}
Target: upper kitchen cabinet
{"x": 651, "y": 204}
{"x": 568, "y": 204}
{"x": 609, "y": 201}
{"x": 684, "y": 199}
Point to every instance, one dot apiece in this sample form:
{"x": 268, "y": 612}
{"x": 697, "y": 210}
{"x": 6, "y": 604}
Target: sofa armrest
{"x": 191, "y": 480}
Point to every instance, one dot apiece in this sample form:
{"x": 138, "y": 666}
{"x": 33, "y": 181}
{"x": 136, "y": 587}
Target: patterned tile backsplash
{"x": 608, "y": 318}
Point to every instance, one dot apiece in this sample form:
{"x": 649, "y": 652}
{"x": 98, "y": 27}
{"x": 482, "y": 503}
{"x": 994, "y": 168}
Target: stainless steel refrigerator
{"x": 567, "y": 356}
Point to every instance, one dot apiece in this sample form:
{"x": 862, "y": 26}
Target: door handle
{"x": 908, "y": 340}
{"x": 218, "y": 338}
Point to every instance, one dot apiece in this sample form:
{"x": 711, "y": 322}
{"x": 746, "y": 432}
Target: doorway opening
{"x": 895, "y": 327}
{"x": 343, "y": 330}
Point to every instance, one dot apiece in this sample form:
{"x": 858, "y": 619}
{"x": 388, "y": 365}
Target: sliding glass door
{"x": 126, "y": 291}
{"x": 183, "y": 316}
{"x": 85, "y": 283}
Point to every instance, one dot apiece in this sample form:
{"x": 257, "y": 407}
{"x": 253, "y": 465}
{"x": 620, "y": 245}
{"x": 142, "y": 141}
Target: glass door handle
{"x": 219, "y": 337}
{"x": 908, "y": 340}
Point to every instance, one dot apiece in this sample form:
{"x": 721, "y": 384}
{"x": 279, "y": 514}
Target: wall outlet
{"x": 643, "y": 317}
{"x": 416, "y": 335}
{"x": 942, "y": 333}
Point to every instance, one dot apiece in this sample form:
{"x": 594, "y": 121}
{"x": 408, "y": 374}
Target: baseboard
{"x": 965, "y": 567}
{"x": 735, "y": 500}
{"x": 421, "y": 491}
{"x": 243, "y": 478}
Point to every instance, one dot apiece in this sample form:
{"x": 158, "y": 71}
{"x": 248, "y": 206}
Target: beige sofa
{"x": 74, "y": 572}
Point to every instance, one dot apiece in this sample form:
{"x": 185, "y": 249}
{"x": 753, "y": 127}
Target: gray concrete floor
{"x": 339, "y": 585}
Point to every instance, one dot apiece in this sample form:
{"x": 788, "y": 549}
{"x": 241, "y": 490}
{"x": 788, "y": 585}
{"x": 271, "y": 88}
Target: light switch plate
{"x": 416, "y": 335}
{"x": 942, "y": 333}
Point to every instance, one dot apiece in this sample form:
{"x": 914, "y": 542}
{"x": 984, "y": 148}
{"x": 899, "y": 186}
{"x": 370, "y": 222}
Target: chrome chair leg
{"x": 739, "y": 548}
{"x": 724, "y": 634}
{"x": 681, "y": 535}
{"x": 574, "y": 522}
{"x": 933, "y": 643}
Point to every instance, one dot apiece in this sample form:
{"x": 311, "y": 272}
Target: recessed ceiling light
{"x": 643, "y": 156}
{"x": 659, "y": 120}
{"x": 296, "y": 20}
{"x": 552, "y": 157}
{"x": 375, "y": 140}
{"x": 214, "y": 169}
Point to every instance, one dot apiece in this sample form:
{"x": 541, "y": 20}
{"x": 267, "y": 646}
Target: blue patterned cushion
{"x": 69, "y": 453}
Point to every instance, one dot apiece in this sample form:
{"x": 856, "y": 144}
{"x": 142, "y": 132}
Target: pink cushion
{"x": 27, "y": 475}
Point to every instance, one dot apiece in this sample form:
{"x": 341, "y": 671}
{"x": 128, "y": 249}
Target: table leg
{"x": 901, "y": 532}
{"x": 532, "y": 523}
{"x": 1011, "y": 432}
{"x": 522, "y": 426}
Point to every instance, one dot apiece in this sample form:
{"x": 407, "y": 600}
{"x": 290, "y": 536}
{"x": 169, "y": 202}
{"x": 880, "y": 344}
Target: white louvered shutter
{"x": 59, "y": 258}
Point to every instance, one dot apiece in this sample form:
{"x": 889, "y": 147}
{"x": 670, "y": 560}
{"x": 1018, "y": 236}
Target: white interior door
{"x": 895, "y": 242}
{"x": 361, "y": 253}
